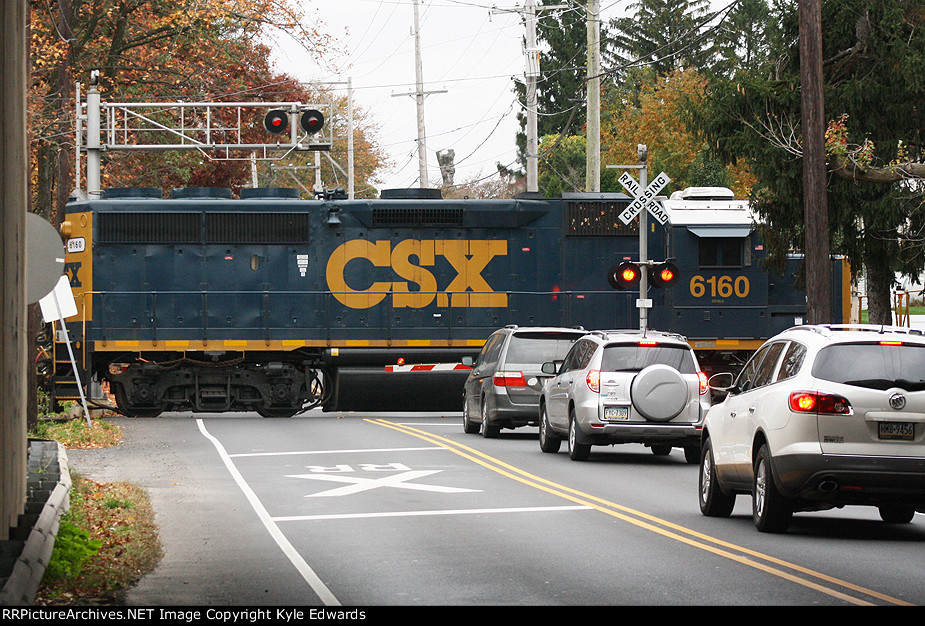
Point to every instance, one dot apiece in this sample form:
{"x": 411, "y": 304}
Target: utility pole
{"x": 419, "y": 94}
{"x": 815, "y": 199}
{"x": 593, "y": 149}
{"x": 419, "y": 83}
{"x": 531, "y": 75}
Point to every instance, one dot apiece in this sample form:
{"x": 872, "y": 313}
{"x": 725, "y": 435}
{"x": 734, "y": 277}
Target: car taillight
{"x": 509, "y": 379}
{"x": 815, "y": 402}
{"x": 704, "y": 382}
{"x": 594, "y": 381}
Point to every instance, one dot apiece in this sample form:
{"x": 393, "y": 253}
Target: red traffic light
{"x": 663, "y": 274}
{"x": 311, "y": 121}
{"x": 276, "y": 122}
{"x": 626, "y": 275}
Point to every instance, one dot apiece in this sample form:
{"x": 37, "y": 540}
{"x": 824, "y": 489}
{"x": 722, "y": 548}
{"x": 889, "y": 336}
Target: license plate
{"x": 896, "y": 430}
{"x": 616, "y": 412}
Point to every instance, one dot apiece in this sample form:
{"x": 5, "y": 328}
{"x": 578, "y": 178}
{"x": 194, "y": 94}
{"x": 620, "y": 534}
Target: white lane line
{"x": 297, "y": 452}
{"x": 534, "y": 509}
{"x": 308, "y": 574}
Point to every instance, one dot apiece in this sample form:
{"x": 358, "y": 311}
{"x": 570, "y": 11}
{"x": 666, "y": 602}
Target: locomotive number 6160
{"x": 719, "y": 286}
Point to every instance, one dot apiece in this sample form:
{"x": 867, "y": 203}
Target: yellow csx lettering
{"x": 467, "y": 289}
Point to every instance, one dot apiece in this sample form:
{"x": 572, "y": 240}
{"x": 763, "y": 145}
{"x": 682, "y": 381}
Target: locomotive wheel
{"x": 130, "y": 411}
{"x": 264, "y": 412}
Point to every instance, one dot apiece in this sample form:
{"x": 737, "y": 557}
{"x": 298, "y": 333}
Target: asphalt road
{"x": 407, "y": 510}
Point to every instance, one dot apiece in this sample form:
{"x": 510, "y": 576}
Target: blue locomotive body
{"x": 275, "y": 304}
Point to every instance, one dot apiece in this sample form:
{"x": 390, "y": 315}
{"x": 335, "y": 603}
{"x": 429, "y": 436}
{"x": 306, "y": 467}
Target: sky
{"x": 471, "y": 52}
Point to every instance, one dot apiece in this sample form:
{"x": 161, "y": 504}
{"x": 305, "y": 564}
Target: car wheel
{"x": 896, "y": 513}
{"x": 713, "y": 502}
{"x": 692, "y": 454}
{"x": 576, "y": 451}
{"x": 549, "y": 441}
{"x": 771, "y": 511}
{"x": 468, "y": 425}
{"x": 489, "y": 430}
{"x": 661, "y": 450}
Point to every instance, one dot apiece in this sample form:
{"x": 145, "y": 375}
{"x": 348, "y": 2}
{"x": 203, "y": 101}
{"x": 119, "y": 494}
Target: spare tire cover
{"x": 659, "y": 392}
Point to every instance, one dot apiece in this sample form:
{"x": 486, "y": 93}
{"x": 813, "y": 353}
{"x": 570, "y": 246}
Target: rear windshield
{"x": 873, "y": 365}
{"x": 634, "y": 357}
{"x": 540, "y": 347}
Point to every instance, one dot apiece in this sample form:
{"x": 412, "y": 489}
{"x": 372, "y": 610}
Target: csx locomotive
{"x": 271, "y": 303}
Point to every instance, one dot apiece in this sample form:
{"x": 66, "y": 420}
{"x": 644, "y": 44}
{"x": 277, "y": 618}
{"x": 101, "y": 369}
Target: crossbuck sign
{"x": 644, "y": 198}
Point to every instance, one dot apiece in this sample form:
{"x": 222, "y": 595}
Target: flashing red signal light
{"x": 626, "y": 275}
{"x": 663, "y": 274}
{"x": 276, "y": 122}
{"x": 311, "y": 121}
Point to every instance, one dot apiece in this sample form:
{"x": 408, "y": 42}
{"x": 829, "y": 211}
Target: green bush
{"x": 73, "y": 547}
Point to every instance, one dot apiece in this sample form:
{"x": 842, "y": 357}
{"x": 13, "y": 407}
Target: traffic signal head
{"x": 276, "y": 121}
{"x": 311, "y": 121}
{"x": 626, "y": 275}
{"x": 663, "y": 274}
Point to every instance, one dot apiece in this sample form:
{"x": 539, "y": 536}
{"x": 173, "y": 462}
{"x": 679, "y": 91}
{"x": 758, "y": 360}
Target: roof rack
{"x": 637, "y": 331}
{"x": 826, "y": 329}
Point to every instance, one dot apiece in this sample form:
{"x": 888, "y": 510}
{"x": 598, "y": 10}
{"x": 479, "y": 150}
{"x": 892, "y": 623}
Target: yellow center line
{"x": 654, "y": 524}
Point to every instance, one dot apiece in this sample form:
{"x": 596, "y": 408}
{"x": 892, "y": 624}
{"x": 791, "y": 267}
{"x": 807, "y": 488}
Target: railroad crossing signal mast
{"x": 628, "y": 275}
{"x": 216, "y": 129}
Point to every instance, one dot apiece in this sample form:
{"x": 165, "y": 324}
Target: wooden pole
{"x": 815, "y": 200}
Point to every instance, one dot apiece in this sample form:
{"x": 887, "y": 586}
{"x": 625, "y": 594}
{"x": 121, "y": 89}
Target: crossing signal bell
{"x": 627, "y": 274}
{"x": 276, "y": 122}
{"x": 311, "y": 121}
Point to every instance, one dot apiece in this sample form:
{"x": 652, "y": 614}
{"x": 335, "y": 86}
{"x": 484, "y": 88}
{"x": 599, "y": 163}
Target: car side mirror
{"x": 550, "y": 367}
{"x": 721, "y": 385}
{"x": 468, "y": 361}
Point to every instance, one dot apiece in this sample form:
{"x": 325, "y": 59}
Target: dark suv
{"x": 503, "y": 389}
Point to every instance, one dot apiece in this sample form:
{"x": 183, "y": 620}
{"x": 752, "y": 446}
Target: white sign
{"x": 644, "y": 199}
{"x": 59, "y": 304}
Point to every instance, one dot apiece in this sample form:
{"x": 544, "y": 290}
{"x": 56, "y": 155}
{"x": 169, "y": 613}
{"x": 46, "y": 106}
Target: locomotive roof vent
{"x": 286, "y": 193}
{"x": 220, "y": 193}
{"x": 704, "y": 193}
{"x": 411, "y": 193}
{"x": 132, "y": 192}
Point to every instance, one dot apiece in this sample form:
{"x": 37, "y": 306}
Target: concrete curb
{"x": 49, "y": 486}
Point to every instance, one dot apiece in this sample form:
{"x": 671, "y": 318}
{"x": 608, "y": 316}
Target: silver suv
{"x": 625, "y": 386}
{"x": 503, "y": 389}
{"x": 820, "y": 417}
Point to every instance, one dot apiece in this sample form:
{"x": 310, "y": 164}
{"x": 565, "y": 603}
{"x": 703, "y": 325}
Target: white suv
{"x": 820, "y": 417}
{"x": 625, "y": 386}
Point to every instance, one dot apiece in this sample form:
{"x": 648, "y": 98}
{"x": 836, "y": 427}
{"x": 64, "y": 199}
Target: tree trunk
{"x": 879, "y": 286}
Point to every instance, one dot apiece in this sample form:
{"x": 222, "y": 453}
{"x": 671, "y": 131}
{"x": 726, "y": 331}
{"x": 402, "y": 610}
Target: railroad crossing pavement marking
{"x": 358, "y": 484}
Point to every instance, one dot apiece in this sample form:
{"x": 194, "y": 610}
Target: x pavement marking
{"x": 398, "y": 481}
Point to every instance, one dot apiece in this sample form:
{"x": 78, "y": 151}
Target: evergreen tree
{"x": 874, "y": 74}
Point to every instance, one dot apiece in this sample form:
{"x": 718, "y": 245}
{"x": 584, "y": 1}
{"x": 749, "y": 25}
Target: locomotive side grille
{"x": 590, "y": 218}
{"x": 149, "y": 227}
{"x": 257, "y": 228}
{"x": 418, "y": 217}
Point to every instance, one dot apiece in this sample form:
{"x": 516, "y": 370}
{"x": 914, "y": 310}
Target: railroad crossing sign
{"x": 644, "y": 198}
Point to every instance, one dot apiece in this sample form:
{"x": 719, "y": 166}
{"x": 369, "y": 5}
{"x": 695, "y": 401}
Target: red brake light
{"x": 815, "y": 402}
{"x": 648, "y": 342}
{"x": 891, "y": 343}
{"x": 704, "y": 382}
{"x": 594, "y": 381}
{"x": 509, "y": 379}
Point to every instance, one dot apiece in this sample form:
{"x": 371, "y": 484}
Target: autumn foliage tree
{"x": 161, "y": 51}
